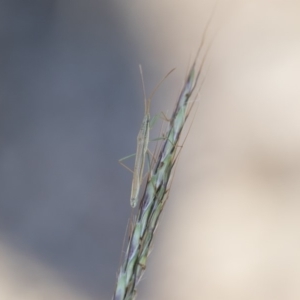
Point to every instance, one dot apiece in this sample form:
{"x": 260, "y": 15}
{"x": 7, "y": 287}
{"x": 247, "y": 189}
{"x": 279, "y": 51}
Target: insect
{"x": 142, "y": 144}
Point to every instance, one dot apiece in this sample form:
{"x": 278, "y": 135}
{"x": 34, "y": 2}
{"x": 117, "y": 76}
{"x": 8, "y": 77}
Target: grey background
{"x": 68, "y": 84}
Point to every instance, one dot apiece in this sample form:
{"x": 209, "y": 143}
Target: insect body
{"x": 140, "y": 156}
{"x": 142, "y": 146}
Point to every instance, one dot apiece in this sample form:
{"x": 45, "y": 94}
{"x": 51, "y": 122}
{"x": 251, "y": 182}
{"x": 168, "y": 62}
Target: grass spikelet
{"x": 154, "y": 198}
{"x": 156, "y": 191}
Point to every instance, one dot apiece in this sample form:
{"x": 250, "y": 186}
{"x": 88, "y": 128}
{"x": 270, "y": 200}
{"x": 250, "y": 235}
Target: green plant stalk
{"x": 154, "y": 198}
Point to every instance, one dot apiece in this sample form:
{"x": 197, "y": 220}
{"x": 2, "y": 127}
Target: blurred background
{"x": 71, "y": 104}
